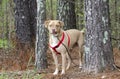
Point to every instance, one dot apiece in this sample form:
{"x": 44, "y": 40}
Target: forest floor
{"x": 17, "y": 72}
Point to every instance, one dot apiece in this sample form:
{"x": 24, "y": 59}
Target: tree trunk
{"x": 33, "y": 21}
{"x": 41, "y": 37}
{"x": 98, "y": 54}
{"x": 22, "y": 20}
{"x": 66, "y": 13}
{"x": 25, "y": 23}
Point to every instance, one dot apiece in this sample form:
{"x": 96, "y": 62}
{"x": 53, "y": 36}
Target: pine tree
{"x": 66, "y": 13}
{"x": 41, "y": 37}
{"x": 98, "y": 54}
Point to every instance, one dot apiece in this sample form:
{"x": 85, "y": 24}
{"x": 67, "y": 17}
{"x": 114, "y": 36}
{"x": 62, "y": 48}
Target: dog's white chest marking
{"x": 54, "y": 41}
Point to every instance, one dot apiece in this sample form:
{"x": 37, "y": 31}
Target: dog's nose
{"x": 53, "y": 30}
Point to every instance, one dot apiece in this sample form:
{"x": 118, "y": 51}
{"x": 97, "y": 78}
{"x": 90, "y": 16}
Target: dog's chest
{"x": 53, "y": 41}
{"x": 60, "y": 44}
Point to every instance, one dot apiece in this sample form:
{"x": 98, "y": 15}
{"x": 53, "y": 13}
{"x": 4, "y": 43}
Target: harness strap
{"x": 68, "y": 40}
{"x": 60, "y": 42}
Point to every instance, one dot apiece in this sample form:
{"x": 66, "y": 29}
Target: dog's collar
{"x": 60, "y": 42}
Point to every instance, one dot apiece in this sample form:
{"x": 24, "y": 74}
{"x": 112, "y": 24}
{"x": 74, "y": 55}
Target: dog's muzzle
{"x": 53, "y": 31}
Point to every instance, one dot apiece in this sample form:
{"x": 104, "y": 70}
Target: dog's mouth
{"x": 54, "y": 32}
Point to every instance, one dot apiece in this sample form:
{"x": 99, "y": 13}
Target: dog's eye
{"x": 57, "y": 25}
{"x": 50, "y": 25}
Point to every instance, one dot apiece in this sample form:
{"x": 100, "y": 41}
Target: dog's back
{"x": 76, "y": 36}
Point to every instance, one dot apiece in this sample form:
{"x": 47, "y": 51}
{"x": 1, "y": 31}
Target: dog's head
{"x": 54, "y": 26}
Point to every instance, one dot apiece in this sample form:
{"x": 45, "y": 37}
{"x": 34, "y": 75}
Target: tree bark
{"x": 41, "y": 37}
{"x": 66, "y": 13}
{"x": 98, "y": 54}
{"x": 25, "y": 21}
{"x": 25, "y": 24}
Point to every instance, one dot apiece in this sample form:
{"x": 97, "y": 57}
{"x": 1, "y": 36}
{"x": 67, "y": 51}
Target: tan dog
{"x": 58, "y": 37}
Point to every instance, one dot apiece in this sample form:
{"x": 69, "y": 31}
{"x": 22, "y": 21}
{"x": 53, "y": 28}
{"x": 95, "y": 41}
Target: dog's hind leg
{"x": 80, "y": 59}
{"x": 80, "y": 43}
{"x": 56, "y": 63}
{"x": 69, "y": 60}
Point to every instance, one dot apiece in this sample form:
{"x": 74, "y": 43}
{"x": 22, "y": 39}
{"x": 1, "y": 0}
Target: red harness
{"x": 60, "y": 42}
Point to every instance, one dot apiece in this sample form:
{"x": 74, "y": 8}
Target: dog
{"x": 60, "y": 42}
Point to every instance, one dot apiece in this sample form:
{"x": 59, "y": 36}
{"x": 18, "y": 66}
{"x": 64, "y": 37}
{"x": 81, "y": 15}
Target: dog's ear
{"x": 61, "y": 23}
{"x": 46, "y": 23}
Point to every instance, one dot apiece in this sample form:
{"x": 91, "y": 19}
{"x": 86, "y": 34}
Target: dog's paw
{"x": 56, "y": 72}
{"x": 80, "y": 67}
{"x": 63, "y": 72}
{"x": 67, "y": 67}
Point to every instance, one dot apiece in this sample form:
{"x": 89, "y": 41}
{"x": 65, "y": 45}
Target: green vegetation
{"x": 51, "y": 8}
{"x": 30, "y": 74}
{"x": 6, "y": 22}
{"x": 3, "y": 43}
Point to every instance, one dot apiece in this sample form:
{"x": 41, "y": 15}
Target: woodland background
{"x": 10, "y": 48}
{"x": 7, "y": 26}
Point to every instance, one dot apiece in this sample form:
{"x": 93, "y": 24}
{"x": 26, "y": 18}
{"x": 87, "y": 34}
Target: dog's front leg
{"x": 56, "y": 63}
{"x": 63, "y": 62}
